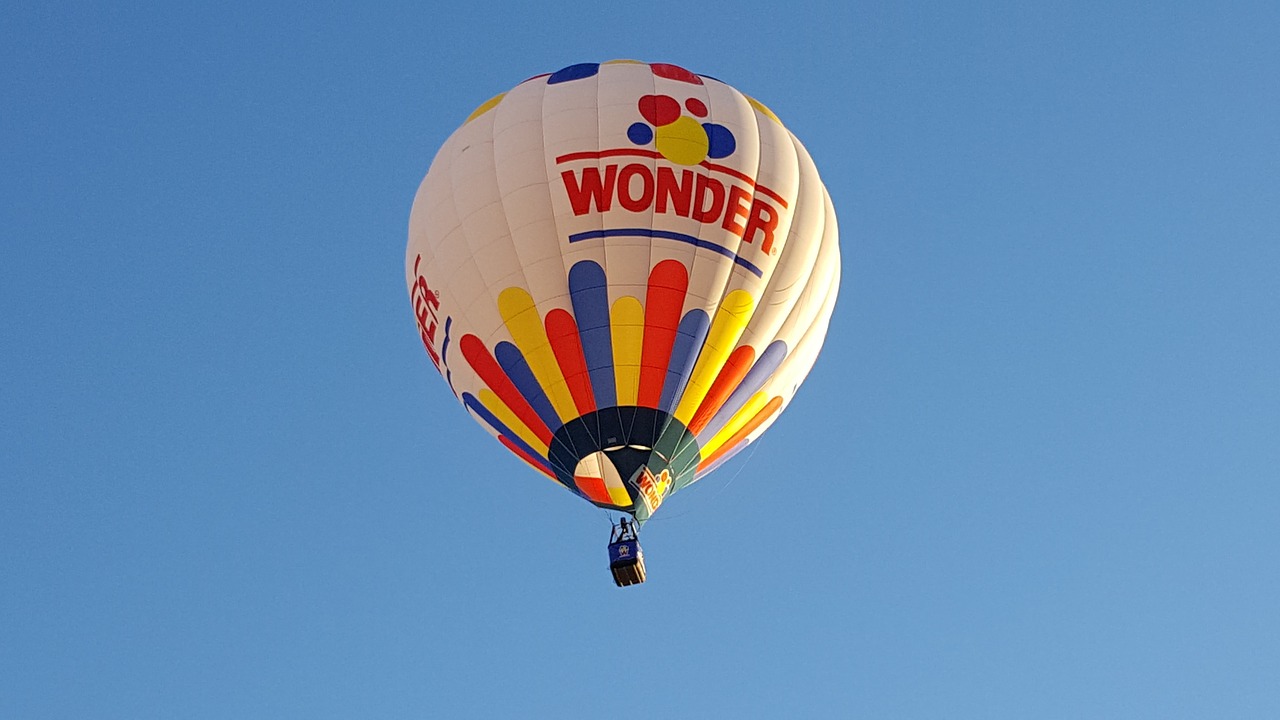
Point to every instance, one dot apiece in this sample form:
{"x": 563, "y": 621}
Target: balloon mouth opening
{"x": 625, "y": 458}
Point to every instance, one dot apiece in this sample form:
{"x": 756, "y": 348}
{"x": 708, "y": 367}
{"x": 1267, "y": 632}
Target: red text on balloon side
{"x": 637, "y": 187}
{"x": 426, "y": 305}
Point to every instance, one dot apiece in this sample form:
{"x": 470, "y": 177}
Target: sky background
{"x": 1032, "y": 475}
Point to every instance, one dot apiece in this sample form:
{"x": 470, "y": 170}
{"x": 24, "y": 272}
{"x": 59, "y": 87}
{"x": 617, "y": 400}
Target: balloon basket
{"x": 626, "y": 559}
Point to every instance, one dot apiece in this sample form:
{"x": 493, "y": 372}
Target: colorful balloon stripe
{"x": 521, "y": 317}
{"x": 684, "y": 353}
{"x": 478, "y": 357}
{"x": 753, "y": 405}
{"x": 730, "y": 377}
{"x": 517, "y": 370}
{"x": 668, "y": 283}
{"x": 756, "y": 421}
{"x": 562, "y": 331}
{"x": 689, "y": 368}
{"x": 755, "y": 379}
{"x": 627, "y": 322}
{"x": 589, "y": 293}
{"x": 730, "y": 320}
{"x": 723, "y": 458}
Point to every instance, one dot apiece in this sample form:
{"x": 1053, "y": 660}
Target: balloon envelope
{"x": 623, "y": 271}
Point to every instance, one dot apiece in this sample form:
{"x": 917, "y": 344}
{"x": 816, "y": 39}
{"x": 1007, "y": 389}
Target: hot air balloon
{"x": 623, "y": 271}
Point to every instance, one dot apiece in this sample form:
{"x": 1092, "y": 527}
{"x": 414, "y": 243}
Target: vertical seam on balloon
{"x": 652, "y": 161}
{"x": 555, "y": 219}
{"x": 502, "y": 197}
{"x": 453, "y": 200}
{"x": 684, "y": 256}
{"x": 594, "y": 427}
{"x": 789, "y": 320}
{"x": 796, "y": 148}
{"x": 475, "y": 245}
{"x": 653, "y": 168}
{"x": 812, "y": 340}
{"x": 803, "y": 163}
{"x": 719, "y": 294}
{"x": 804, "y": 355}
{"x": 653, "y": 259}
{"x": 749, "y": 384}
{"x": 462, "y": 224}
{"x": 810, "y": 305}
{"x": 704, "y": 95}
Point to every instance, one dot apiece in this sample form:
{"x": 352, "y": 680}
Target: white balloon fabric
{"x": 624, "y": 271}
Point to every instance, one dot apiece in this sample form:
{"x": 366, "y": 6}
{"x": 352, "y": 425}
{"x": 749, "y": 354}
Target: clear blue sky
{"x": 1033, "y": 474}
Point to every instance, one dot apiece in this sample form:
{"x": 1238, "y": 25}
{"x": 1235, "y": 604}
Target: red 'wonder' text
{"x": 700, "y": 197}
